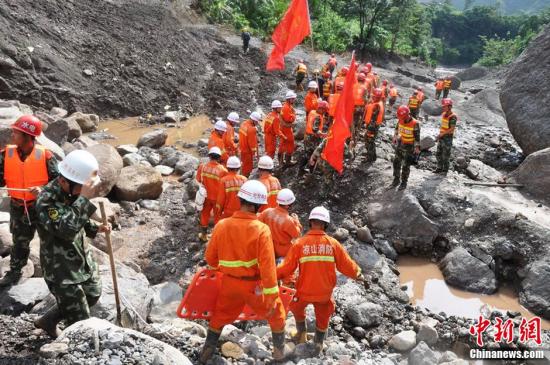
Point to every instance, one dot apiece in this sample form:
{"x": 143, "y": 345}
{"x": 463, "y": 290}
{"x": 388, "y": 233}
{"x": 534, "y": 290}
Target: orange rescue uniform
{"x": 318, "y": 256}
{"x": 284, "y": 229}
{"x": 332, "y": 102}
{"x": 273, "y": 187}
{"x": 227, "y": 201}
{"x": 439, "y": 85}
{"x": 209, "y": 174}
{"x": 216, "y": 141}
{"x": 359, "y": 92}
{"x": 241, "y": 248}
{"x": 248, "y": 144}
{"x": 272, "y": 130}
{"x": 310, "y": 101}
{"x": 288, "y": 115}
{"x": 229, "y": 140}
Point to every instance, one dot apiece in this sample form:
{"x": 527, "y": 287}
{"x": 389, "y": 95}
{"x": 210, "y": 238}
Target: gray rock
{"x": 87, "y": 122}
{"x": 112, "y": 210}
{"x": 6, "y": 241}
{"x": 403, "y": 341}
{"x": 477, "y": 170}
{"x": 164, "y": 170}
{"x": 58, "y": 131}
{"x": 535, "y": 291}
{"x": 154, "y": 139}
{"x": 365, "y": 314}
{"x": 54, "y": 350}
{"x": 384, "y": 247}
{"x": 186, "y": 164}
{"x": 432, "y": 107}
{"x": 427, "y": 334}
{"x": 58, "y": 112}
{"x": 422, "y": 355}
{"x": 110, "y": 165}
{"x": 28, "y": 269}
{"x": 528, "y": 77}
{"x": 125, "y": 149}
{"x": 364, "y": 235}
{"x": 447, "y": 356}
{"x": 165, "y": 302}
{"x": 132, "y": 159}
{"x": 149, "y": 204}
{"x": 427, "y": 143}
{"x": 153, "y": 158}
{"x": 203, "y": 142}
{"x": 114, "y": 340}
{"x": 24, "y": 296}
{"x": 138, "y": 182}
{"x": 341, "y": 234}
{"x": 366, "y": 256}
{"x": 464, "y": 271}
{"x": 52, "y": 146}
{"x": 472, "y": 73}
{"x": 534, "y": 173}
{"x": 455, "y": 82}
{"x": 84, "y": 142}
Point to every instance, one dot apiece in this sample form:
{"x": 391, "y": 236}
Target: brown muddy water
{"x": 128, "y": 131}
{"x": 427, "y": 289}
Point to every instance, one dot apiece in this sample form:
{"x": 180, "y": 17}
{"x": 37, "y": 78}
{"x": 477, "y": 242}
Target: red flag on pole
{"x": 290, "y": 32}
{"x": 333, "y": 152}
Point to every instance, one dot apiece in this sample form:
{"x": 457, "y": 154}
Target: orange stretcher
{"x": 200, "y": 298}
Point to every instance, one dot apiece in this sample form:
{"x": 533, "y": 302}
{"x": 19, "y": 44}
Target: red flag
{"x": 333, "y": 152}
{"x": 290, "y": 32}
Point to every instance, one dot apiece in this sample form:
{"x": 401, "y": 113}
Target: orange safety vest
{"x": 371, "y": 108}
{"x": 393, "y": 92}
{"x": 413, "y": 103}
{"x": 406, "y": 131}
{"x": 447, "y": 83}
{"x": 439, "y": 85}
{"x": 311, "y": 119}
{"x": 310, "y": 101}
{"x": 445, "y": 122}
{"x": 338, "y": 80}
{"x": 359, "y": 94}
{"x": 273, "y": 187}
{"x": 25, "y": 174}
{"x": 228, "y": 202}
{"x": 301, "y": 68}
{"x": 327, "y": 88}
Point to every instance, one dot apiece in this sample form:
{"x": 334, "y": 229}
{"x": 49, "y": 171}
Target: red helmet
{"x": 332, "y": 55}
{"x": 322, "y": 105}
{"x": 344, "y": 71}
{"x": 361, "y": 77}
{"x": 377, "y": 93}
{"x": 403, "y": 111}
{"x": 327, "y": 75}
{"x": 385, "y": 82}
{"x": 447, "y": 102}
{"x": 340, "y": 85}
{"x": 28, "y": 124}
{"x": 368, "y": 65}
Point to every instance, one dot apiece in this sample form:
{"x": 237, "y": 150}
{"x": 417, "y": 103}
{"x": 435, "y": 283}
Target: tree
{"x": 400, "y": 15}
{"x": 468, "y": 4}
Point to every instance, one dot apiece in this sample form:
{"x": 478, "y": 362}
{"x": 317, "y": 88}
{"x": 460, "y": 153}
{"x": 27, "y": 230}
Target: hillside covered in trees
{"x": 434, "y": 31}
{"x": 507, "y": 6}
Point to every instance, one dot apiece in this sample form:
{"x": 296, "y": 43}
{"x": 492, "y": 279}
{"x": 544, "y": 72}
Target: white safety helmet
{"x": 285, "y": 197}
{"x": 276, "y": 104}
{"x": 320, "y": 213}
{"x": 220, "y": 126}
{"x": 290, "y": 95}
{"x": 233, "y": 117}
{"x": 215, "y": 151}
{"x": 312, "y": 85}
{"x": 256, "y": 117}
{"x": 265, "y": 163}
{"x": 233, "y": 162}
{"x": 79, "y": 166}
{"x": 253, "y": 192}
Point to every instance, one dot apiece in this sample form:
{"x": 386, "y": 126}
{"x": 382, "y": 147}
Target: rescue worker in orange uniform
{"x": 393, "y": 93}
{"x": 445, "y": 137}
{"x": 438, "y": 88}
{"x": 248, "y": 142}
{"x": 227, "y": 201}
{"x": 229, "y": 136}
{"x": 447, "y": 83}
{"x": 327, "y": 86}
{"x": 406, "y": 140}
{"x": 414, "y": 104}
{"x": 272, "y": 184}
{"x": 385, "y": 91}
{"x": 217, "y": 139}
{"x": 284, "y": 227}
{"x": 301, "y": 72}
{"x": 420, "y": 96}
{"x": 24, "y": 165}
{"x": 341, "y": 78}
{"x": 241, "y": 248}
{"x": 317, "y": 125}
{"x": 331, "y": 64}
{"x": 209, "y": 175}
{"x": 374, "y": 117}
{"x": 272, "y": 128}
{"x": 333, "y": 100}
{"x": 318, "y": 256}
{"x": 360, "y": 98}
{"x": 288, "y": 117}
{"x": 310, "y": 100}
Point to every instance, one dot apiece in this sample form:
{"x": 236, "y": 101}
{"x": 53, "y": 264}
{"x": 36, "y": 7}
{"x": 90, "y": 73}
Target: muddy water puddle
{"x": 427, "y": 289}
{"x": 128, "y": 131}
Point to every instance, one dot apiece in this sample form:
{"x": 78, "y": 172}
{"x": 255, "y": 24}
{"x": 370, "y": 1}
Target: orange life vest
{"x": 359, "y": 94}
{"x": 301, "y": 68}
{"x": 445, "y": 122}
{"x": 439, "y": 85}
{"x": 406, "y": 131}
{"x": 311, "y": 120}
{"x": 393, "y": 92}
{"x": 25, "y": 174}
{"x": 447, "y": 83}
{"x": 326, "y": 88}
{"x": 413, "y": 103}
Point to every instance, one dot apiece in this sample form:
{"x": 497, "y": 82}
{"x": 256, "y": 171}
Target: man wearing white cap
{"x": 288, "y": 115}
{"x": 227, "y": 201}
{"x": 272, "y": 128}
{"x": 248, "y": 142}
{"x": 229, "y": 136}
{"x": 209, "y": 175}
{"x": 217, "y": 139}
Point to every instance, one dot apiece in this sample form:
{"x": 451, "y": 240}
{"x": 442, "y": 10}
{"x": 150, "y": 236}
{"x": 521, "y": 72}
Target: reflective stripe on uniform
{"x": 273, "y": 192}
{"x": 317, "y": 259}
{"x": 238, "y": 263}
{"x": 210, "y": 176}
{"x": 272, "y": 290}
{"x": 236, "y": 188}
{"x": 406, "y": 133}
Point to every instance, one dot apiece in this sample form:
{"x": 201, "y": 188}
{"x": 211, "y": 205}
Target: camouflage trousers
{"x": 443, "y": 154}
{"x": 22, "y": 228}
{"x": 358, "y": 114}
{"x": 402, "y": 161}
{"x": 74, "y": 300}
{"x": 370, "y": 141}
{"x": 414, "y": 112}
{"x": 446, "y": 93}
{"x": 438, "y": 94}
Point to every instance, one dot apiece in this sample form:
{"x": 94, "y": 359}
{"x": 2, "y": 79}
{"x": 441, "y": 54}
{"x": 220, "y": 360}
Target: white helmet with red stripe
{"x": 285, "y": 197}
{"x": 253, "y": 192}
{"x": 233, "y": 162}
{"x": 265, "y": 163}
{"x": 320, "y": 214}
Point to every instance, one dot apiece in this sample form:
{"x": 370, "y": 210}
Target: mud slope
{"x": 121, "y": 58}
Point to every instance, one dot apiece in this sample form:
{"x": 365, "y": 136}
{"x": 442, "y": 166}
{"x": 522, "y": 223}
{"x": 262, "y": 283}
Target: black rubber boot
{"x": 11, "y": 278}
{"x": 280, "y": 350}
{"x": 209, "y": 346}
{"x": 48, "y": 322}
{"x": 301, "y": 334}
{"x": 395, "y": 182}
{"x": 403, "y": 186}
{"x": 318, "y": 341}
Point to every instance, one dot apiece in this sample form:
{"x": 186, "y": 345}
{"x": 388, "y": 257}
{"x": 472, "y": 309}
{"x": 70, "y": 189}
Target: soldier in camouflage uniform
{"x": 24, "y": 168}
{"x": 64, "y": 210}
{"x": 407, "y": 141}
{"x": 445, "y": 137}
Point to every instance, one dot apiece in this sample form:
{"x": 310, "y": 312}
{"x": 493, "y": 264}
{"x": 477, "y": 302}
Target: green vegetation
{"x": 434, "y": 31}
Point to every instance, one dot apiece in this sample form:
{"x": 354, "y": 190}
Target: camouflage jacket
{"x": 62, "y": 222}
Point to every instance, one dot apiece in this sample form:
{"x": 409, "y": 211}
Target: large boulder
{"x": 86, "y": 122}
{"x": 534, "y": 173}
{"x": 484, "y": 108}
{"x": 472, "y": 73}
{"x": 24, "y": 296}
{"x": 432, "y": 107}
{"x": 154, "y": 139}
{"x": 10, "y": 110}
{"x": 139, "y": 182}
{"x": 403, "y": 341}
{"x": 403, "y": 215}
{"x": 535, "y": 291}
{"x": 467, "y": 272}
{"x": 423, "y": 355}
{"x": 186, "y": 163}
{"x": 110, "y": 165}
{"x": 52, "y": 146}
{"x": 58, "y": 131}
{"x": 365, "y": 314}
{"x": 525, "y": 95}
{"x": 115, "y": 345}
